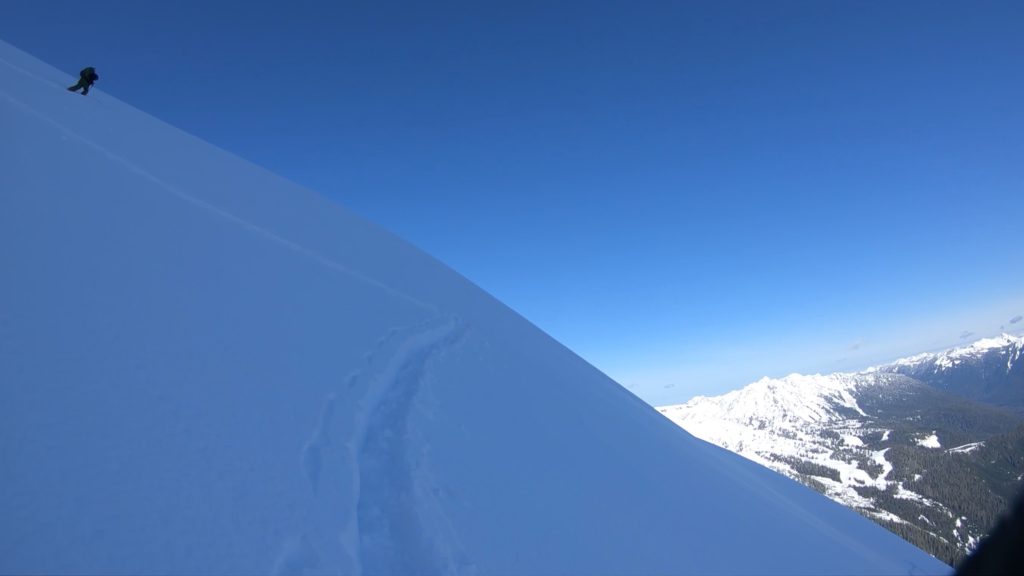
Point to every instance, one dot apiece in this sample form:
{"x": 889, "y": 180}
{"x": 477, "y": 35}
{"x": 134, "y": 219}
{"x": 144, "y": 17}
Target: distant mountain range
{"x": 990, "y": 370}
{"x": 931, "y": 447}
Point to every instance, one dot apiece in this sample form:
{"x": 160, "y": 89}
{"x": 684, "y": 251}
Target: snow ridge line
{"x": 365, "y": 466}
{"x": 241, "y": 222}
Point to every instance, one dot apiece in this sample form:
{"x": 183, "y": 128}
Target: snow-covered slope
{"x": 867, "y": 440}
{"x": 795, "y": 424}
{"x": 776, "y": 417}
{"x": 207, "y": 369}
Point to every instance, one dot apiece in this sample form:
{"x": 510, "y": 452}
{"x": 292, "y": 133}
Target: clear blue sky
{"x": 690, "y": 195}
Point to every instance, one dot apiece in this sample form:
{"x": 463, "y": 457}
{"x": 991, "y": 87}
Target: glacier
{"x": 207, "y": 369}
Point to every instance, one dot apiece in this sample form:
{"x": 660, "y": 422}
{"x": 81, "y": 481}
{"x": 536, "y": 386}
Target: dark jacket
{"x": 89, "y": 75}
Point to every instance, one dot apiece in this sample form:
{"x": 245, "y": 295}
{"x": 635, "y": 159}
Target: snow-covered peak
{"x": 1012, "y": 345}
{"x": 1003, "y": 341}
{"x": 775, "y": 416}
{"x": 813, "y": 428}
{"x": 779, "y": 422}
{"x": 791, "y": 401}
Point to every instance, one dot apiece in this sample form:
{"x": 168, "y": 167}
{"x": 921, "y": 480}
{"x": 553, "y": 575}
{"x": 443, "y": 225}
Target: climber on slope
{"x": 86, "y": 78}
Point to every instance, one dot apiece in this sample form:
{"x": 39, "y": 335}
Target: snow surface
{"x": 930, "y": 441}
{"x": 851, "y": 440}
{"x": 207, "y": 369}
{"x": 878, "y": 457}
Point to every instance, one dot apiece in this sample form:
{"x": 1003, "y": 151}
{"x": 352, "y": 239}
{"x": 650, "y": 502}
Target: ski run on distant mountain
{"x": 931, "y": 447}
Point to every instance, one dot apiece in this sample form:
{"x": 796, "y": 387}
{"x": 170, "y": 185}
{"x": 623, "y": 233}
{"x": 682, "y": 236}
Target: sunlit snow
{"x": 930, "y": 441}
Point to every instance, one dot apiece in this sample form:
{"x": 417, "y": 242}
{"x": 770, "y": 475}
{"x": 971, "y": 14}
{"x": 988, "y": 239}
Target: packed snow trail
{"x": 388, "y": 523}
{"x": 394, "y": 537}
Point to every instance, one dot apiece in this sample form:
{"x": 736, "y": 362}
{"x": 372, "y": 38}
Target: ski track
{"x": 211, "y": 208}
{"x": 386, "y": 516}
{"x": 377, "y": 508}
